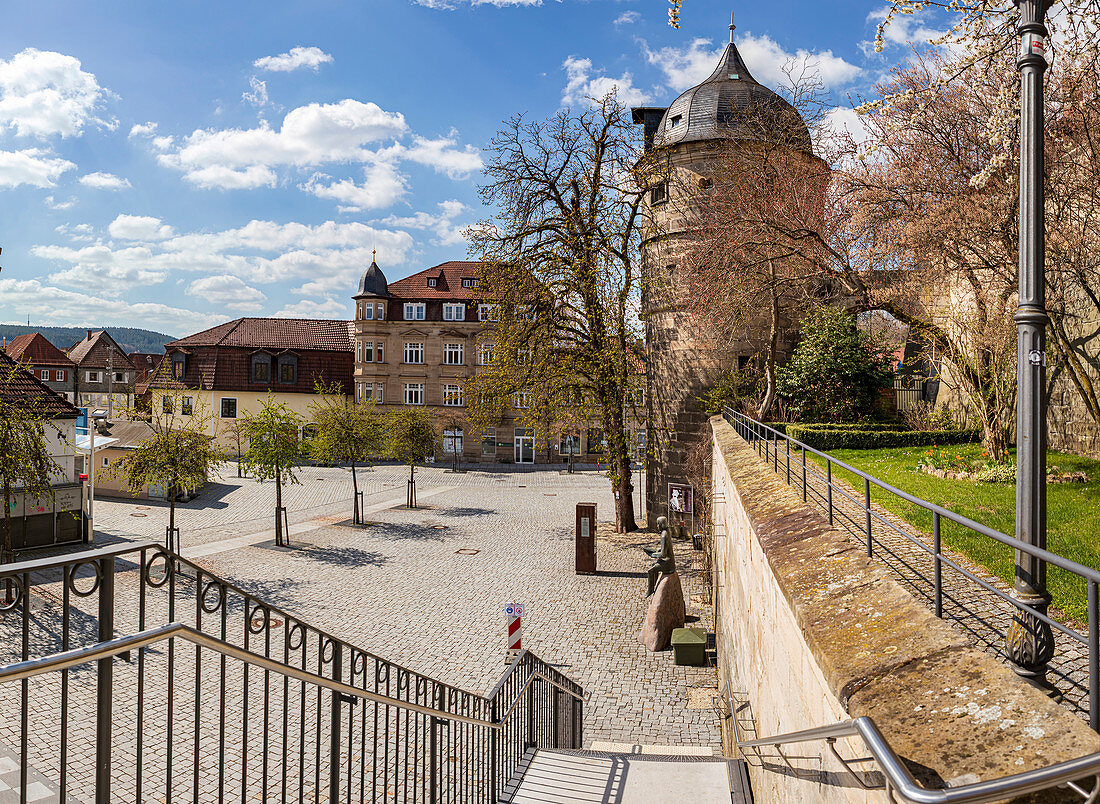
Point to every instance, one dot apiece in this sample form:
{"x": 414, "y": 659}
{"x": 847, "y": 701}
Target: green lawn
{"x": 1073, "y": 512}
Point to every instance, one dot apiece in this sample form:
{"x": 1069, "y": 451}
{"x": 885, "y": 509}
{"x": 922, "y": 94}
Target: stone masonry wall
{"x": 813, "y": 632}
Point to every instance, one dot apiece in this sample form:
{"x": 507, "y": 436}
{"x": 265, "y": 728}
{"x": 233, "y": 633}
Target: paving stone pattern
{"x": 967, "y": 605}
{"x": 398, "y": 587}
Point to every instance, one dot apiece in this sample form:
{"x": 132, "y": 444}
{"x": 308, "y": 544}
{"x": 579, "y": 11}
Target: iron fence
{"x": 855, "y": 512}
{"x": 216, "y": 693}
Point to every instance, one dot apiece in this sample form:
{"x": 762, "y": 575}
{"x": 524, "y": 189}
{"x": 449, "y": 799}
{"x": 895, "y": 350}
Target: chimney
{"x": 89, "y": 335}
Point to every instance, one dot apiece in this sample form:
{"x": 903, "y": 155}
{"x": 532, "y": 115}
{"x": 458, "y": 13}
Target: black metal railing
{"x": 846, "y": 507}
{"x": 214, "y": 693}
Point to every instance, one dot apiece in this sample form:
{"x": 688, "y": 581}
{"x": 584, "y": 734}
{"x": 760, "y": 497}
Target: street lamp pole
{"x": 1030, "y": 641}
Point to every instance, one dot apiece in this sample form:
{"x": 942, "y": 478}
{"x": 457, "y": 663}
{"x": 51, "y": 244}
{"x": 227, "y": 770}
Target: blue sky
{"x": 173, "y": 165}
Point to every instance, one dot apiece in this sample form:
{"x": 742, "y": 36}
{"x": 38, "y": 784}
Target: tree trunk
{"x": 278, "y": 506}
{"x": 410, "y": 501}
{"x": 355, "y": 515}
{"x": 769, "y": 358}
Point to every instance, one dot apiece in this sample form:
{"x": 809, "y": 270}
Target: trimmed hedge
{"x": 862, "y": 426}
{"x": 878, "y": 439}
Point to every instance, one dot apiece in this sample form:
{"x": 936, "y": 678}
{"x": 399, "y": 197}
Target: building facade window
{"x": 489, "y": 442}
{"x": 414, "y": 393}
{"x": 469, "y": 282}
{"x": 485, "y": 354}
{"x": 93, "y": 376}
{"x": 414, "y": 311}
{"x": 452, "y": 395}
{"x": 379, "y": 392}
{"x": 261, "y": 368}
{"x": 120, "y": 376}
{"x": 379, "y": 352}
{"x": 229, "y": 407}
{"x": 187, "y": 406}
{"x": 44, "y": 374}
{"x": 288, "y": 369}
{"x": 570, "y": 444}
{"x": 166, "y": 405}
{"x": 433, "y": 282}
{"x": 658, "y": 194}
{"x": 60, "y": 375}
{"x": 359, "y": 392}
{"x": 452, "y": 441}
{"x": 380, "y": 311}
{"x": 488, "y": 312}
{"x": 414, "y": 353}
{"x": 452, "y": 354}
{"x": 522, "y": 400}
{"x": 454, "y": 312}
{"x": 179, "y": 365}
{"x": 359, "y": 351}
{"x": 366, "y": 311}
{"x": 596, "y": 441}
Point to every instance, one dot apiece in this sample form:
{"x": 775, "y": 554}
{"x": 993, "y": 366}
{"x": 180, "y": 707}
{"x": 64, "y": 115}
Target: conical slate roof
{"x": 373, "y": 282}
{"x": 731, "y": 104}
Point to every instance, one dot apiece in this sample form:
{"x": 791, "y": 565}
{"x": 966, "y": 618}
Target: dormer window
{"x": 179, "y": 365}
{"x": 433, "y": 282}
{"x": 469, "y": 282}
{"x": 675, "y": 121}
{"x": 261, "y": 367}
{"x": 734, "y": 77}
{"x": 288, "y": 369}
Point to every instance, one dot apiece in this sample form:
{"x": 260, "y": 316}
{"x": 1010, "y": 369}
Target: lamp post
{"x": 1030, "y": 641}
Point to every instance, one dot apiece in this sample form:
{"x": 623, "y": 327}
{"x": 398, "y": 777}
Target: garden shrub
{"x": 873, "y": 426}
{"x": 823, "y": 439}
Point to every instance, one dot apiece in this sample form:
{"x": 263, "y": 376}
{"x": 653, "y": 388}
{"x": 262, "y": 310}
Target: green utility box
{"x": 689, "y": 646}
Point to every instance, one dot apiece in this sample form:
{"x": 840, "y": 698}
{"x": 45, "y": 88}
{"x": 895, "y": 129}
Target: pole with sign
{"x": 513, "y": 618}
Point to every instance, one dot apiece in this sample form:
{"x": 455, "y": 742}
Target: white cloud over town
{"x": 448, "y": 5}
{"x": 296, "y": 58}
{"x": 443, "y": 224}
{"x": 33, "y": 166}
{"x": 584, "y": 83}
{"x": 104, "y": 181}
{"x": 45, "y": 94}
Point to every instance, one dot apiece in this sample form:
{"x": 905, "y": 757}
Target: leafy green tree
{"x": 347, "y": 432}
{"x": 24, "y": 444}
{"x": 178, "y": 455}
{"x": 836, "y": 372}
{"x": 411, "y": 439}
{"x": 273, "y": 451}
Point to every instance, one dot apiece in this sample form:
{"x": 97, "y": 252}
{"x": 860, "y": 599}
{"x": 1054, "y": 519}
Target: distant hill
{"x": 130, "y": 339}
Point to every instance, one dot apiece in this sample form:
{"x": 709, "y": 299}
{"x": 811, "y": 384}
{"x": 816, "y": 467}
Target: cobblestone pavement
{"x": 981, "y": 613}
{"x": 423, "y": 588}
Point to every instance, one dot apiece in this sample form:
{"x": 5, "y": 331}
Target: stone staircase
{"x": 657, "y": 776}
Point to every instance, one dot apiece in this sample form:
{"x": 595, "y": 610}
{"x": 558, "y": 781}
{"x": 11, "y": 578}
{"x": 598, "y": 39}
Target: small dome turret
{"x": 373, "y": 282}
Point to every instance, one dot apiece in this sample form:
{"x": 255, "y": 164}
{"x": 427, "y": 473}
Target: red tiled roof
{"x": 448, "y": 275}
{"x": 33, "y": 349}
{"x": 275, "y": 333}
{"x": 22, "y": 385}
{"x": 92, "y": 352}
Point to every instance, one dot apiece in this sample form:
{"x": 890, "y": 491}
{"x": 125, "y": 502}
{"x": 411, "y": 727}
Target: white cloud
{"x": 328, "y": 308}
{"x": 310, "y": 135}
{"x": 31, "y": 166}
{"x": 228, "y": 290}
{"x": 450, "y": 4}
{"x": 52, "y": 203}
{"x": 766, "y": 59}
{"x": 442, "y": 155}
{"x": 582, "y": 85}
{"x": 627, "y": 18}
{"x": 43, "y": 93}
{"x": 904, "y": 29}
{"x": 382, "y": 186}
{"x": 140, "y": 228}
{"x": 258, "y": 94}
{"x": 295, "y": 59}
{"x": 442, "y": 224}
{"x": 143, "y": 129}
{"x": 114, "y": 272}
{"x": 104, "y": 181}
{"x": 846, "y": 122}
{"x": 46, "y": 304}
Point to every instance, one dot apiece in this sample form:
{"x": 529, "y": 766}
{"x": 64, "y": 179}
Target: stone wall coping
{"x": 953, "y": 712}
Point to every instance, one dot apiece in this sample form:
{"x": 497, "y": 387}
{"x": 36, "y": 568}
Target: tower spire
{"x": 732, "y": 27}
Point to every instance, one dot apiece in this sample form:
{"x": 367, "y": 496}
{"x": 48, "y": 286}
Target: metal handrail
{"x": 1051, "y": 558}
{"x": 114, "y": 647}
{"x": 901, "y": 781}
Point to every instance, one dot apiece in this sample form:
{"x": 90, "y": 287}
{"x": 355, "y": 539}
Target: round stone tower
{"x": 729, "y": 109}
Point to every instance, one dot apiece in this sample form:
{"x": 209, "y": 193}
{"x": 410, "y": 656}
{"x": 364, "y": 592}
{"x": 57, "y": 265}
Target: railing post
{"x": 867, "y": 505}
{"x": 1094, "y": 656}
{"x": 803, "y": 473}
{"x": 433, "y": 748}
{"x": 494, "y": 741}
{"x": 829, "y": 487}
{"x": 787, "y": 446}
{"x": 334, "y": 728}
{"x": 532, "y": 742}
{"x": 104, "y": 682}
{"x": 937, "y": 568}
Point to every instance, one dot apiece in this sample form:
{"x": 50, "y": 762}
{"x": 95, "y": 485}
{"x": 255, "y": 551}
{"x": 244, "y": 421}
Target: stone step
{"x": 589, "y": 777}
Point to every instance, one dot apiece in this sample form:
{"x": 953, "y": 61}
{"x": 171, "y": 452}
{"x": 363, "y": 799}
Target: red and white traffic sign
{"x": 513, "y": 614}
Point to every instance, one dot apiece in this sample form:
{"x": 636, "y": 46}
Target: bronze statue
{"x": 664, "y": 558}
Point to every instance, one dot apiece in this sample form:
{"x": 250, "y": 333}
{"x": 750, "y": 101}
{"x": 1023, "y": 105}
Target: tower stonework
{"x": 684, "y": 358}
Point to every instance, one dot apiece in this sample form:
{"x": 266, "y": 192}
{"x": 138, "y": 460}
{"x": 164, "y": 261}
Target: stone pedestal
{"x": 666, "y": 612}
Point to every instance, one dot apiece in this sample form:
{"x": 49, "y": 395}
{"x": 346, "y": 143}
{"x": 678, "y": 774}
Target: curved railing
{"x": 215, "y": 692}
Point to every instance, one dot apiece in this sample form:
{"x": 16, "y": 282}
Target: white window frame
{"x": 359, "y": 351}
{"x": 120, "y": 376}
{"x": 453, "y": 441}
{"x": 414, "y": 349}
{"x": 564, "y": 439}
{"x": 414, "y": 391}
{"x": 454, "y": 312}
{"x": 415, "y": 311}
{"x": 489, "y": 438}
{"x": 59, "y": 375}
{"x": 523, "y": 397}
{"x": 236, "y": 408}
{"x": 488, "y": 312}
{"x": 380, "y": 351}
{"x": 485, "y": 353}
{"x": 379, "y": 392}
{"x": 380, "y": 307}
{"x": 453, "y": 395}
{"x": 454, "y": 354}
{"x": 44, "y": 375}
{"x": 187, "y": 406}
{"x": 88, "y": 375}
{"x": 359, "y": 391}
